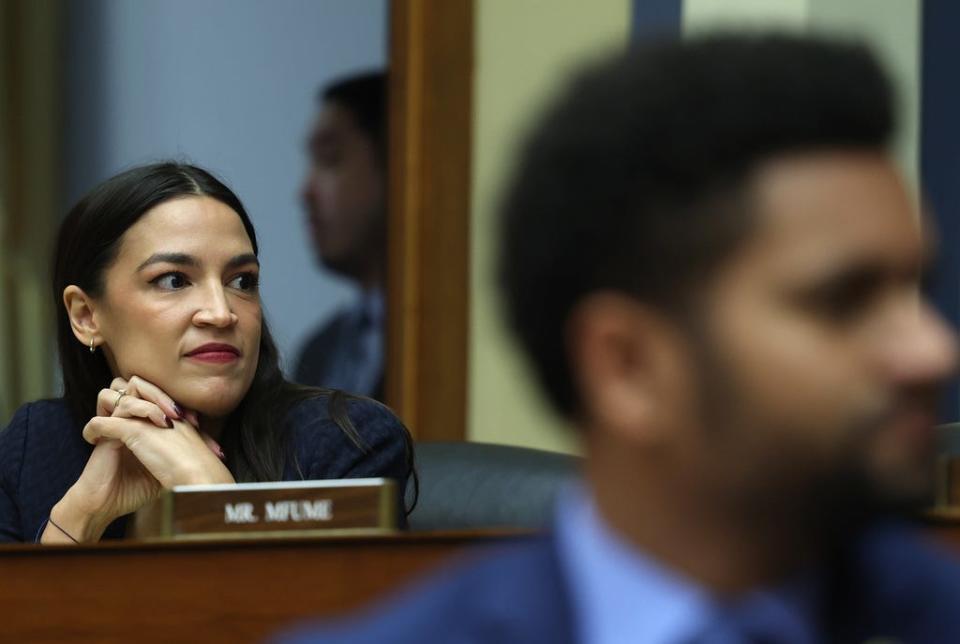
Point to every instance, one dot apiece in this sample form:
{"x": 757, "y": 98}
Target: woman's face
{"x": 181, "y": 306}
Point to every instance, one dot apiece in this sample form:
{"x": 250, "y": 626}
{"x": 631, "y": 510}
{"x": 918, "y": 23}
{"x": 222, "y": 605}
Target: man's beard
{"x": 850, "y": 497}
{"x": 826, "y": 502}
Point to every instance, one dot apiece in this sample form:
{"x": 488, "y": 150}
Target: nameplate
{"x": 266, "y": 509}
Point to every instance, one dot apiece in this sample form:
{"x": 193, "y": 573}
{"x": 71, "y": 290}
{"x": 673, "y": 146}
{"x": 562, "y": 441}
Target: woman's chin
{"x": 211, "y": 404}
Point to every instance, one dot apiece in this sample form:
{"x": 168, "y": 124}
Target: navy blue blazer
{"x": 42, "y": 453}
{"x": 891, "y": 585}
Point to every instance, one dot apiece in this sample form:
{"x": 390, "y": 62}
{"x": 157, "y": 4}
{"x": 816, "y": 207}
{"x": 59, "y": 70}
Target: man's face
{"x": 821, "y": 358}
{"x": 343, "y": 192}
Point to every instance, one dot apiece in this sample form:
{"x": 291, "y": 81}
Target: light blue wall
{"x": 229, "y": 85}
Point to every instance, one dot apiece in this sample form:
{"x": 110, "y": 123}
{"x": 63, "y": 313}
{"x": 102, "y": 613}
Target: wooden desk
{"x": 213, "y": 591}
{"x": 221, "y": 591}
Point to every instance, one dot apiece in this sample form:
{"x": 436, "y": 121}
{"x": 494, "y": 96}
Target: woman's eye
{"x": 245, "y": 282}
{"x": 171, "y": 281}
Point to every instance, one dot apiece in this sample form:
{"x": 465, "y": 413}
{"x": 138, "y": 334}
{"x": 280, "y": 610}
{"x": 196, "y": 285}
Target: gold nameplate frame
{"x": 345, "y": 506}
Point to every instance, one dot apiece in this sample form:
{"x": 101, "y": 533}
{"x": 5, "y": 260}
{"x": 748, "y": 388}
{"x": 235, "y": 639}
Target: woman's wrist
{"x": 78, "y": 523}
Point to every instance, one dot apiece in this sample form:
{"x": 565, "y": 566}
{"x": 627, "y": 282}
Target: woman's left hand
{"x": 177, "y": 455}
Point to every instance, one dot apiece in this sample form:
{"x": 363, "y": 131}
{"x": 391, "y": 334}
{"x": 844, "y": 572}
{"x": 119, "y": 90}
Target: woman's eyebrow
{"x": 169, "y": 258}
{"x": 182, "y": 259}
{"x": 241, "y": 260}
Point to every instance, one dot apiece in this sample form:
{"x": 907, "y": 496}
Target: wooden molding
{"x": 31, "y": 63}
{"x": 431, "y": 88}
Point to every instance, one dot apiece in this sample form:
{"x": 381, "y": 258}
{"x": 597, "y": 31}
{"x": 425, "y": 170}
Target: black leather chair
{"x": 467, "y": 485}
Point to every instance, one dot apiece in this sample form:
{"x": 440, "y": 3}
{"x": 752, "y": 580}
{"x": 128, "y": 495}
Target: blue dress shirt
{"x": 618, "y": 594}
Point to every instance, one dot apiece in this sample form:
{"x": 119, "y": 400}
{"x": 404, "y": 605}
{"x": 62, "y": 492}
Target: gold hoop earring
{"x": 92, "y": 346}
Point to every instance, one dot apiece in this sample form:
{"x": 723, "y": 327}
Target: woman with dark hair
{"x": 170, "y": 374}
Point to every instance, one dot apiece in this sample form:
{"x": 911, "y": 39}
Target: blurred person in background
{"x": 344, "y": 194}
{"x": 713, "y": 265}
{"x": 170, "y": 374}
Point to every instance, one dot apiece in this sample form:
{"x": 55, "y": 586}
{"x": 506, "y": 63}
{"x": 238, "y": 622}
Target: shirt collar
{"x": 617, "y": 591}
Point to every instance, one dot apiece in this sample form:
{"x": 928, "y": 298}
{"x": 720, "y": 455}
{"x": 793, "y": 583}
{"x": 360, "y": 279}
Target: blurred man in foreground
{"x": 344, "y": 194}
{"x": 713, "y": 265}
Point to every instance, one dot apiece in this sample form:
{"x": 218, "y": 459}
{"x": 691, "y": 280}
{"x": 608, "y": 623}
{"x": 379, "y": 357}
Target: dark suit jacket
{"x": 891, "y": 586}
{"x": 42, "y": 453}
{"x": 314, "y": 363}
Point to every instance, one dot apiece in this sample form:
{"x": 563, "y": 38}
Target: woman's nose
{"x": 215, "y": 309}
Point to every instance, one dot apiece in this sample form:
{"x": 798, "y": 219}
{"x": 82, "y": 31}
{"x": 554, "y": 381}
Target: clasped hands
{"x": 165, "y": 439}
{"x": 143, "y": 443}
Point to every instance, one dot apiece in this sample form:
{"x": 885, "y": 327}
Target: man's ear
{"x": 81, "y": 309}
{"x": 625, "y": 358}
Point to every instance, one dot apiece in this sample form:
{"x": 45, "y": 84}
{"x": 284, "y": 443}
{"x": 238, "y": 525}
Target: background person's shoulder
{"x": 507, "y": 594}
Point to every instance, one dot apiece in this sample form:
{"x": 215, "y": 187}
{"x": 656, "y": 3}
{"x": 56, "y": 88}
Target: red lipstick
{"x": 216, "y": 352}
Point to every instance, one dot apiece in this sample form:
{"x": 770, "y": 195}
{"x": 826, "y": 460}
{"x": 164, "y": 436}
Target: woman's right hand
{"x": 130, "y": 438}
{"x": 178, "y": 454}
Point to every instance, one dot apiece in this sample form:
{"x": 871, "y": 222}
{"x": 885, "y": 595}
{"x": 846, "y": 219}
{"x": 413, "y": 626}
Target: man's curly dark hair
{"x": 637, "y": 178}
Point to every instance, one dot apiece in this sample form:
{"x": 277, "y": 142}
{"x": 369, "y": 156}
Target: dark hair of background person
{"x": 365, "y": 97}
{"x": 638, "y": 179}
{"x": 254, "y": 435}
